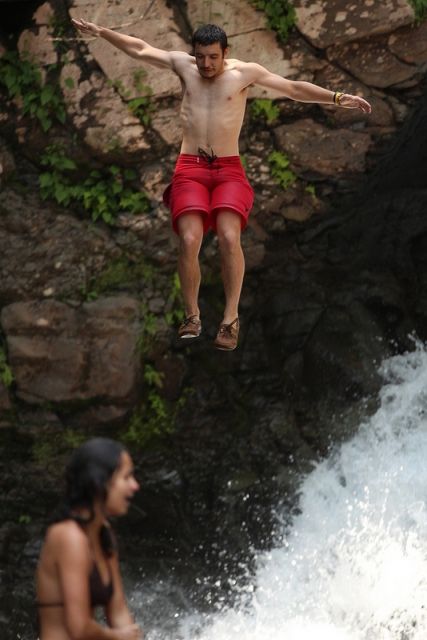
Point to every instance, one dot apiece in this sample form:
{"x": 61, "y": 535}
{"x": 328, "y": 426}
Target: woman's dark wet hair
{"x": 209, "y": 34}
{"x": 88, "y": 472}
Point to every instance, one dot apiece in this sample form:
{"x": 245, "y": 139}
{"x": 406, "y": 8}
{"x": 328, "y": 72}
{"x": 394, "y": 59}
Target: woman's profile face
{"x": 121, "y": 488}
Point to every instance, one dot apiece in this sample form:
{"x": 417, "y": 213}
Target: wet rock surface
{"x": 335, "y": 282}
{"x": 46, "y": 253}
{"x": 62, "y": 354}
{"x": 337, "y": 21}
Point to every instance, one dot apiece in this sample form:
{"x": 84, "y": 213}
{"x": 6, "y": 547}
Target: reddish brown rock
{"x": 7, "y": 163}
{"x": 128, "y": 16}
{"x": 167, "y": 124}
{"x": 410, "y": 45}
{"x": 312, "y": 147}
{"x": 62, "y": 354}
{"x": 36, "y": 43}
{"x": 96, "y": 109}
{"x": 5, "y": 403}
{"x": 333, "y": 77}
{"x": 42, "y": 249}
{"x": 373, "y": 64}
{"x": 327, "y": 22}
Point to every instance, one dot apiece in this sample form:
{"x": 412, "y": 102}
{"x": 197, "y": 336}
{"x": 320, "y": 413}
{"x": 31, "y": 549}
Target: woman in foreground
{"x": 78, "y": 567}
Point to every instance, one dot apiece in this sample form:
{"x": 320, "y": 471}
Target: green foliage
{"x": 104, "y": 193}
{"x": 6, "y": 375}
{"x": 265, "y": 109}
{"x": 176, "y": 313}
{"x": 58, "y": 29}
{"x": 120, "y": 87}
{"x": 138, "y": 78}
{"x": 420, "y": 7}
{"x": 141, "y": 106}
{"x": 173, "y": 315}
{"x": 107, "y": 193}
{"x": 279, "y": 163}
{"x": 57, "y": 183}
{"x": 72, "y": 439}
{"x": 148, "y": 331}
{"x": 124, "y": 271}
{"x": 23, "y": 82}
{"x": 24, "y": 519}
{"x": 45, "y": 450}
{"x": 153, "y": 377}
{"x": 120, "y": 272}
{"x": 281, "y": 16}
{"x": 69, "y": 83}
{"x": 156, "y": 417}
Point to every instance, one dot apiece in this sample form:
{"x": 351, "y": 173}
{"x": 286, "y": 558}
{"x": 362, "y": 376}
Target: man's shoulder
{"x": 182, "y": 55}
{"x": 235, "y": 63}
{"x": 249, "y": 70}
{"x": 182, "y": 58}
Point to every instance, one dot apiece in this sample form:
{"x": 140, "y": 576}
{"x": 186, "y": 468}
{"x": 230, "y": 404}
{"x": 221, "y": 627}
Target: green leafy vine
{"x": 281, "y": 16}
{"x": 22, "y": 80}
{"x": 104, "y": 193}
{"x": 420, "y": 8}
{"x": 264, "y": 109}
{"x": 6, "y": 375}
{"x": 279, "y": 169}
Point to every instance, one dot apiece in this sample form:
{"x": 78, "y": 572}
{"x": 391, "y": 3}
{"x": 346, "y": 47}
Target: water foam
{"x": 353, "y": 566}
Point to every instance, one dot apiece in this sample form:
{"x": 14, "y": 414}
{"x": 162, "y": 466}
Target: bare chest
{"x": 225, "y": 91}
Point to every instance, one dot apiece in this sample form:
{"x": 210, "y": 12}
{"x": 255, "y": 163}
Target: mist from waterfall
{"x": 353, "y": 564}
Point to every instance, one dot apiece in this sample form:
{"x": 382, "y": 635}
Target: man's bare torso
{"x": 212, "y": 109}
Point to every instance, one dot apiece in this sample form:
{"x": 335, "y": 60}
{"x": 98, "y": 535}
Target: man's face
{"x": 209, "y": 59}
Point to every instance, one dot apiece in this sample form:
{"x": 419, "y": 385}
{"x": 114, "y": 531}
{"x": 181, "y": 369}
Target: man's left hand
{"x": 355, "y": 102}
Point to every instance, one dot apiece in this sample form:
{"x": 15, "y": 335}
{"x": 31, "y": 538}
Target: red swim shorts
{"x": 206, "y": 186}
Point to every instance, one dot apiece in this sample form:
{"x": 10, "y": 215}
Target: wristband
{"x": 337, "y": 97}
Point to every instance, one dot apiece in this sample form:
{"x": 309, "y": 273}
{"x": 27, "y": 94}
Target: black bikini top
{"x": 100, "y": 593}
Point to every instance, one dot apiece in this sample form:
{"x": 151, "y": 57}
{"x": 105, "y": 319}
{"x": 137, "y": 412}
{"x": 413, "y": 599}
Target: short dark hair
{"x": 209, "y": 34}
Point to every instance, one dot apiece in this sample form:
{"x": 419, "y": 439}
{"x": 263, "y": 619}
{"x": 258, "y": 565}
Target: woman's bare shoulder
{"x": 66, "y": 534}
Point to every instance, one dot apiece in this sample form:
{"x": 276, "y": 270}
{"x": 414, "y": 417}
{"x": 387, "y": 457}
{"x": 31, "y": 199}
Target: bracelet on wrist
{"x": 337, "y": 97}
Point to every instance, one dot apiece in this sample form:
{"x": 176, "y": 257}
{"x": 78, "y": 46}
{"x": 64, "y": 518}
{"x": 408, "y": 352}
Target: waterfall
{"x": 353, "y": 563}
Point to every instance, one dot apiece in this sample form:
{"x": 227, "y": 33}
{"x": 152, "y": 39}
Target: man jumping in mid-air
{"x": 209, "y": 187}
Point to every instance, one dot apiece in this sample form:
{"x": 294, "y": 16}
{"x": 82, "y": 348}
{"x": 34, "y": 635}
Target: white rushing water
{"x": 353, "y": 565}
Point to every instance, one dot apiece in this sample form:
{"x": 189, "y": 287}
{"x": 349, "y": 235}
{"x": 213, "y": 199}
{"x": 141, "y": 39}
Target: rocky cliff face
{"x": 50, "y": 254}
{"x": 335, "y": 261}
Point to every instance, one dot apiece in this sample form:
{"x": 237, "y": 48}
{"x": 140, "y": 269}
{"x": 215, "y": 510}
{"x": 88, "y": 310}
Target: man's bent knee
{"x": 229, "y": 236}
{"x": 190, "y": 228}
{"x": 228, "y": 228}
{"x": 229, "y": 239}
{"x": 189, "y": 220}
{"x": 190, "y": 241}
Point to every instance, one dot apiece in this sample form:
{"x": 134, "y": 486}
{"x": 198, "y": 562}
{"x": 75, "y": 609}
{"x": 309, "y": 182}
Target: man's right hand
{"x": 88, "y": 28}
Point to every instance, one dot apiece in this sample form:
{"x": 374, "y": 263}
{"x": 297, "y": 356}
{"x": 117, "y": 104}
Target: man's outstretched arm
{"x": 134, "y": 47}
{"x": 304, "y": 91}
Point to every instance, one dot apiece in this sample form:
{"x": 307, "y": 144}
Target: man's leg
{"x": 228, "y": 225}
{"x": 190, "y": 229}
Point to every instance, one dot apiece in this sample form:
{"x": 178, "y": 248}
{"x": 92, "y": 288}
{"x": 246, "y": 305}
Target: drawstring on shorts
{"x": 209, "y": 157}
